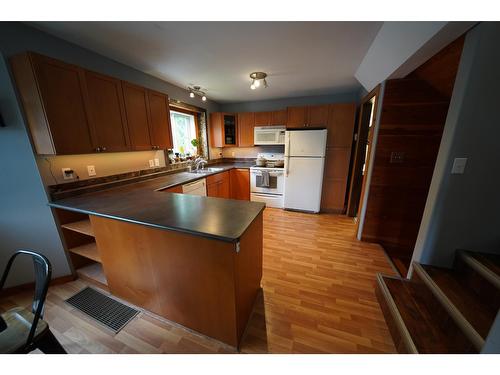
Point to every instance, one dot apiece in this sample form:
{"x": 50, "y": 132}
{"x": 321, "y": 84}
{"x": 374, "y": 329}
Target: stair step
{"x": 417, "y": 320}
{"x": 476, "y": 308}
{"x": 487, "y": 265}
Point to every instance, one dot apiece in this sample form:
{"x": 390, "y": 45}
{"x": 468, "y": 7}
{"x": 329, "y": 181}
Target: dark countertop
{"x": 143, "y": 203}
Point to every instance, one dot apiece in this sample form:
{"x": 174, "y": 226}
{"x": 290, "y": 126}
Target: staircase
{"x": 442, "y": 310}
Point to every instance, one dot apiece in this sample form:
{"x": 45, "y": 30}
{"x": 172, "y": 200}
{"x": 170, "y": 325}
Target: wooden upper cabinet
{"x": 223, "y": 129}
{"x": 296, "y": 117}
{"x": 160, "y": 127}
{"x": 341, "y": 121}
{"x": 52, "y": 93}
{"x": 317, "y": 115}
{"x": 263, "y": 118}
{"x": 137, "y": 110}
{"x": 216, "y": 131}
{"x": 246, "y": 123}
{"x": 279, "y": 117}
{"x": 107, "y": 112}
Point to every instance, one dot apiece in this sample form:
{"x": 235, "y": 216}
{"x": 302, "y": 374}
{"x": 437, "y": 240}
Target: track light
{"x": 197, "y": 91}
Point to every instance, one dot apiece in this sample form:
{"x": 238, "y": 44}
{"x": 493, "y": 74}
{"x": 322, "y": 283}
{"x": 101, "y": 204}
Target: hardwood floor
{"x": 318, "y": 296}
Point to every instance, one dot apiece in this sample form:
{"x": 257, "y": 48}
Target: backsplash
{"x": 105, "y": 164}
{"x": 250, "y": 152}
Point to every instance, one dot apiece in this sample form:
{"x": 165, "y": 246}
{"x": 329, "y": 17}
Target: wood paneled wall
{"x": 414, "y": 111}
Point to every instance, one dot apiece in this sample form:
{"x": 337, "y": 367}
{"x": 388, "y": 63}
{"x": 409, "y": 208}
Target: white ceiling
{"x": 301, "y": 58}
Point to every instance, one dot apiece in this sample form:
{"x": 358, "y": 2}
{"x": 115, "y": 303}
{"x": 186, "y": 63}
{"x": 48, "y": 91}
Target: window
{"x": 183, "y": 132}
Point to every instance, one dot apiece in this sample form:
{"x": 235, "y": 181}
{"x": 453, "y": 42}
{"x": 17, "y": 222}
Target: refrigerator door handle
{"x": 288, "y": 156}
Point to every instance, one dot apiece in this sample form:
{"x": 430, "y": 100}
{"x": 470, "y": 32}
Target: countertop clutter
{"x": 145, "y": 203}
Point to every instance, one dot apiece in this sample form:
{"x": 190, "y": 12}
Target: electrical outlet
{"x": 68, "y": 173}
{"x": 91, "y": 170}
{"x": 157, "y": 162}
{"x": 151, "y": 163}
{"x": 397, "y": 157}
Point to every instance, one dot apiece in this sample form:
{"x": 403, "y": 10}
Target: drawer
{"x": 219, "y": 177}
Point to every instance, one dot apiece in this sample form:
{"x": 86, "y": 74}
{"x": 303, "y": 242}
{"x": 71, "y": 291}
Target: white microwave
{"x": 269, "y": 135}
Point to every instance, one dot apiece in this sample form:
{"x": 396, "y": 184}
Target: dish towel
{"x": 265, "y": 179}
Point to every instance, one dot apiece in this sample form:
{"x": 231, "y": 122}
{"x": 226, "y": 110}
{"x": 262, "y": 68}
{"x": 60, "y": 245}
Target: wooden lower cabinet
{"x": 240, "y": 184}
{"x": 219, "y": 185}
{"x": 201, "y": 283}
{"x": 175, "y": 189}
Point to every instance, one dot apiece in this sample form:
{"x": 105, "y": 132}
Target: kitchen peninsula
{"x": 194, "y": 260}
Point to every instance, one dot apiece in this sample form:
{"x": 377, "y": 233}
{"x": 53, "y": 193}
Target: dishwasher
{"x": 198, "y": 187}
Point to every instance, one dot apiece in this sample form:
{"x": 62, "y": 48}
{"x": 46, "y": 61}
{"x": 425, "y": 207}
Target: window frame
{"x": 187, "y": 112}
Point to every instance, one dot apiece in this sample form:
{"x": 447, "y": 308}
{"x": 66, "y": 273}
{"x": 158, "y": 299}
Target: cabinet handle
{"x": 103, "y": 148}
{"x": 98, "y": 149}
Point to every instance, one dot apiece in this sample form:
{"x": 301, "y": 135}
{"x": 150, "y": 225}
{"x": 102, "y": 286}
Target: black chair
{"x": 21, "y": 330}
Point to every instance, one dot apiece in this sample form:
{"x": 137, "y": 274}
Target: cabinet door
{"x": 230, "y": 130}
{"x": 65, "y": 127}
{"x": 246, "y": 122}
{"x": 262, "y": 118}
{"x": 240, "y": 184}
{"x": 225, "y": 186}
{"x": 335, "y": 179}
{"x": 317, "y": 115}
{"x": 161, "y": 130}
{"x": 213, "y": 189}
{"x": 107, "y": 112}
{"x": 296, "y": 117}
{"x": 136, "y": 107}
{"x": 341, "y": 118}
{"x": 175, "y": 189}
{"x": 279, "y": 117}
{"x": 216, "y": 132}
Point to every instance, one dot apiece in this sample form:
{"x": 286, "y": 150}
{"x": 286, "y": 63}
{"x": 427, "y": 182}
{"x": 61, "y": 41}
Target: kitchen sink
{"x": 207, "y": 170}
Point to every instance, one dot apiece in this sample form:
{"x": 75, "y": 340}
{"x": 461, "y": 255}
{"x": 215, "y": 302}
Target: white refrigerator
{"x": 304, "y": 164}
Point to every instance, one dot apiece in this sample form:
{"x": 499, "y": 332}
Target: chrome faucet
{"x": 199, "y": 161}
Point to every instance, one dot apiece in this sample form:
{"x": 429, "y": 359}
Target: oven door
{"x": 275, "y": 185}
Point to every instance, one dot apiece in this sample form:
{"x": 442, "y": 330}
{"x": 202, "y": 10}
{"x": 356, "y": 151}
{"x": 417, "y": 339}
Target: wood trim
{"x": 357, "y": 165}
{"x": 468, "y": 330}
{"x": 397, "y": 329}
{"x": 24, "y": 287}
{"x": 480, "y": 268}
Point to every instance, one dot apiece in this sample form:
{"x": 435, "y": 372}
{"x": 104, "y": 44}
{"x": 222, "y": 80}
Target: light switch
{"x": 91, "y": 170}
{"x": 151, "y": 163}
{"x": 157, "y": 162}
{"x": 459, "y": 166}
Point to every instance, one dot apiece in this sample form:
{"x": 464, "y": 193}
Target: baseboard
{"x": 30, "y": 286}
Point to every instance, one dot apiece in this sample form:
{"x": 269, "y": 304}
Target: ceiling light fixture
{"x": 197, "y": 91}
{"x": 257, "y": 77}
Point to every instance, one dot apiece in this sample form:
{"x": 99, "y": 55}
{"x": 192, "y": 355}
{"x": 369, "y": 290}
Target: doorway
{"x": 363, "y": 138}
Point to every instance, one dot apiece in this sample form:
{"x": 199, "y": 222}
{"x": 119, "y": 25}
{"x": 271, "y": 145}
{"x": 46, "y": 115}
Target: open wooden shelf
{"x": 88, "y": 251}
{"x": 93, "y": 273}
{"x": 82, "y": 226}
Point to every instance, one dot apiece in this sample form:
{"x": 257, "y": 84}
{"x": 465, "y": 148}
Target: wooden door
{"x": 65, "y": 127}
{"x": 160, "y": 126}
{"x": 279, "y": 117}
{"x": 340, "y": 126}
{"x": 246, "y": 123}
{"x": 136, "y": 108}
{"x": 240, "y": 184}
{"x": 107, "y": 112}
{"x": 296, "y": 117}
{"x": 317, "y": 115}
{"x": 216, "y": 129}
{"x": 263, "y": 118}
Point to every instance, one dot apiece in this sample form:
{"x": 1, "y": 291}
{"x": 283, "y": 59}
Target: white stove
{"x": 267, "y": 183}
